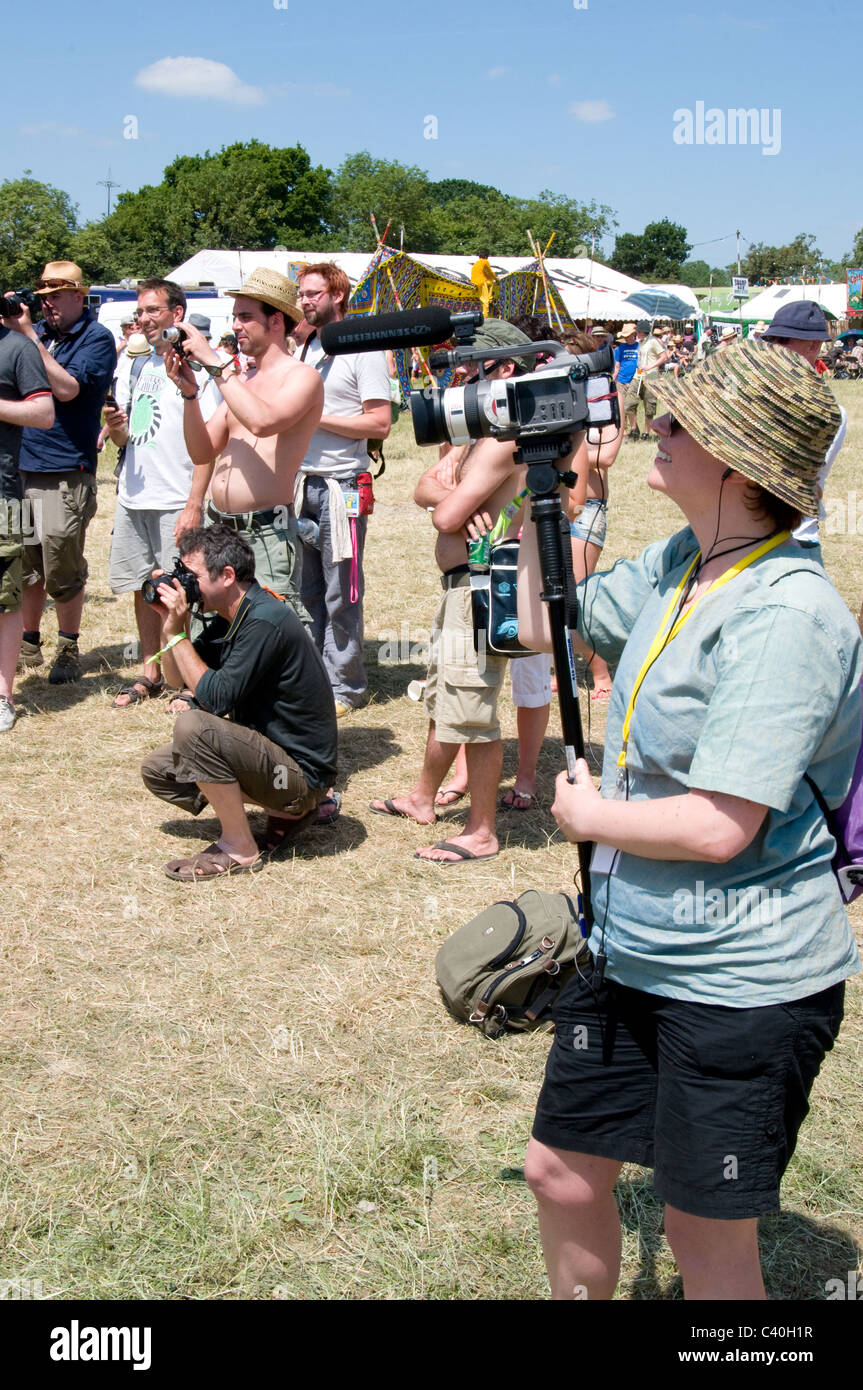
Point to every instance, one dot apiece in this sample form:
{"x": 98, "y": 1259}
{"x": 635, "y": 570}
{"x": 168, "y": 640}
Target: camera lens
{"x": 428, "y": 418}
{"x": 150, "y": 588}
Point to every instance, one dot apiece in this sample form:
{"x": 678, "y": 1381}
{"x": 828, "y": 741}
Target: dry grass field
{"x": 248, "y": 1089}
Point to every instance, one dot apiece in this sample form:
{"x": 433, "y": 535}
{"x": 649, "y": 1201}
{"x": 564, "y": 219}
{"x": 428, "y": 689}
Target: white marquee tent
{"x": 832, "y": 298}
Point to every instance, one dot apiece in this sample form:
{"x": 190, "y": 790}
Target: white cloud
{"x": 554, "y": 79}
{"x": 199, "y": 78}
{"x": 494, "y": 73}
{"x": 49, "y": 128}
{"x": 591, "y": 112}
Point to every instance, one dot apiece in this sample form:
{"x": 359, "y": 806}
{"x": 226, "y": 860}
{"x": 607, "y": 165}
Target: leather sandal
{"x": 152, "y": 690}
{"x": 210, "y": 863}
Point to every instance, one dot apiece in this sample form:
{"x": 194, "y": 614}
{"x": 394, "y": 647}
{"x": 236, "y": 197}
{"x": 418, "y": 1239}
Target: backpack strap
{"x": 136, "y": 370}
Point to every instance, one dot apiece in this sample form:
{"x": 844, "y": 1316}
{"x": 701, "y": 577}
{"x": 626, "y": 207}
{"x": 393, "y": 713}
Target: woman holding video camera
{"x": 720, "y": 941}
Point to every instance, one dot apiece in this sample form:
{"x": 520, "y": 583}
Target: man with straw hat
{"x": 58, "y": 466}
{"x": 720, "y": 941}
{"x": 259, "y": 436}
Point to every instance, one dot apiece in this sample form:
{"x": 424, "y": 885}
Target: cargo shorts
{"x": 11, "y": 552}
{"x": 461, "y": 692}
{"x": 62, "y": 505}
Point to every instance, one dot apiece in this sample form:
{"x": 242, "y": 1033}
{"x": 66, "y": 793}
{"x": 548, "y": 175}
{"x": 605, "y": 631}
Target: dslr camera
{"x": 188, "y": 583}
{"x": 12, "y": 304}
{"x": 564, "y": 395}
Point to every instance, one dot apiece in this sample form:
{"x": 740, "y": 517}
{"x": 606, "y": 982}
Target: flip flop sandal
{"x": 210, "y": 863}
{"x": 507, "y": 803}
{"x": 389, "y": 808}
{"x": 453, "y": 794}
{"x": 152, "y": 691}
{"x": 464, "y": 856}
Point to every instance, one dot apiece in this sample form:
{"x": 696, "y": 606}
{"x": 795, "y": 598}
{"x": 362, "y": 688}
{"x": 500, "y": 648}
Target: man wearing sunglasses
{"x": 58, "y": 466}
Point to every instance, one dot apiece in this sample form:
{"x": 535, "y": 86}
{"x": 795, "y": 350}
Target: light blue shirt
{"x": 761, "y": 685}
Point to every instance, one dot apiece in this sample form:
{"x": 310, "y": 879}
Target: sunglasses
{"x": 673, "y": 424}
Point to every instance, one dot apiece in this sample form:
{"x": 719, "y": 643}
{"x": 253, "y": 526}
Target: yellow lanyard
{"x": 662, "y": 638}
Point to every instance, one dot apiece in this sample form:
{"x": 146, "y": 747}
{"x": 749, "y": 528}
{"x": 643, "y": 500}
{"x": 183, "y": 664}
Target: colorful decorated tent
{"x": 394, "y": 280}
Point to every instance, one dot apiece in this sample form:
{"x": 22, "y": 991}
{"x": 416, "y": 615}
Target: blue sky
{"x": 526, "y": 95}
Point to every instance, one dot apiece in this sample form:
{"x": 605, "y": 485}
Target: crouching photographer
{"x": 720, "y": 942}
{"x": 264, "y": 727}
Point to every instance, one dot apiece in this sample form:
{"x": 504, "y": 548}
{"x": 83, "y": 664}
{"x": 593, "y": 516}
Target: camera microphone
{"x": 374, "y": 332}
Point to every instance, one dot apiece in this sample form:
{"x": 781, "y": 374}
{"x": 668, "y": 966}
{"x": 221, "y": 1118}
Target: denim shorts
{"x": 590, "y": 525}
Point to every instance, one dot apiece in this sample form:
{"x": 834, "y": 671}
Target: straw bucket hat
{"x": 269, "y": 287}
{"x": 762, "y": 411}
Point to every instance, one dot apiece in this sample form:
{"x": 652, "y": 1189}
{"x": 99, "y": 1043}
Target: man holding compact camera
{"x": 255, "y": 664}
{"x": 58, "y": 466}
{"x": 160, "y": 492}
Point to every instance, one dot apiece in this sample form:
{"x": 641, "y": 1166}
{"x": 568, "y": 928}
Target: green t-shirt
{"x": 761, "y": 685}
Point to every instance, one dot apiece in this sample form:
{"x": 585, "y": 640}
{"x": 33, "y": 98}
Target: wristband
{"x": 180, "y": 637}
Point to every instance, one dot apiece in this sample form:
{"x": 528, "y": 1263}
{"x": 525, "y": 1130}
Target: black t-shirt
{"x": 22, "y": 374}
{"x": 267, "y": 674}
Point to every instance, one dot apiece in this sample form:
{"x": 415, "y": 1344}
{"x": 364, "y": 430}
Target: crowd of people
{"x": 239, "y": 530}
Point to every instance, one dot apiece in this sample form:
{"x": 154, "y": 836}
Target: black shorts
{"x": 711, "y": 1098}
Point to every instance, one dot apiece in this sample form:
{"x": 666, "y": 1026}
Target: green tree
{"x": 36, "y": 226}
{"x": 801, "y": 256}
{"x": 447, "y": 190}
{"x": 247, "y": 195}
{"x": 501, "y": 223}
{"x": 395, "y": 193}
{"x": 657, "y": 254}
{"x": 694, "y": 274}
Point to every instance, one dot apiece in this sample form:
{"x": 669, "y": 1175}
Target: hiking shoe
{"x": 30, "y": 656}
{"x": 67, "y": 663}
{"x": 7, "y": 714}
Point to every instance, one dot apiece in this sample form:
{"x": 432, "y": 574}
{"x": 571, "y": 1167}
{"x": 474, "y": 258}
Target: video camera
{"x": 565, "y": 395}
{"x": 12, "y": 304}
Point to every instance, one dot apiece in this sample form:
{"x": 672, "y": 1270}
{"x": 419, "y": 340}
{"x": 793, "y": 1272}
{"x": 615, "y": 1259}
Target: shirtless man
{"x": 465, "y": 493}
{"x": 259, "y": 436}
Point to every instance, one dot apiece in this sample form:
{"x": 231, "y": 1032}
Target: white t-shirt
{"x": 808, "y": 528}
{"x": 157, "y": 471}
{"x": 349, "y": 381}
